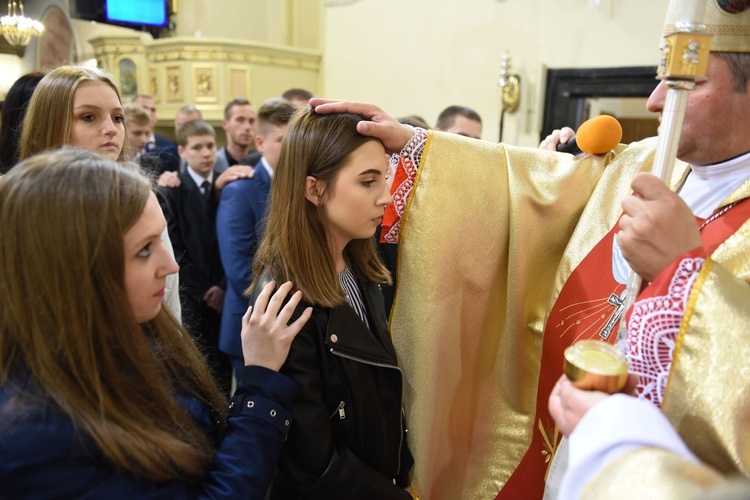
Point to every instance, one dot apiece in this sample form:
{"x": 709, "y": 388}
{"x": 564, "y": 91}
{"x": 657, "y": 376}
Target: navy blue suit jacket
{"x": 239, "y": 230}
{"x": 166, "y": 150}
{"x": 192, "y": 231}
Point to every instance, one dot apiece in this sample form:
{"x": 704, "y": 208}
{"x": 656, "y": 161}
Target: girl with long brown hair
{"x": 101, "y": 391}
{"x": 327, "y": 200}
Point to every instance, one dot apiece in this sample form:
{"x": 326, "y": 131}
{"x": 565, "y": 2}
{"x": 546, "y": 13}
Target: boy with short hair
{"x": 138, "y": 128}
{"x": 238, "y": 224}
{"x": 191, "y": 213}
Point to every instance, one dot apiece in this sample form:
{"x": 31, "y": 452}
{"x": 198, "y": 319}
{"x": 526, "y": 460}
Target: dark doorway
{"x": 568, "y": 90}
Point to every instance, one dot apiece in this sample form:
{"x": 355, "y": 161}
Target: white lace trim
{"x": 652, "y": 332}
{"x": 409, "y": 157}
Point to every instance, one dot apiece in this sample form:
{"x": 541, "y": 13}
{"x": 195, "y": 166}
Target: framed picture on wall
{"x": 128, "y": 75}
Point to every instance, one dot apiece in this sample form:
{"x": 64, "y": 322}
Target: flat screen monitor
{"x": 137, "y": 12}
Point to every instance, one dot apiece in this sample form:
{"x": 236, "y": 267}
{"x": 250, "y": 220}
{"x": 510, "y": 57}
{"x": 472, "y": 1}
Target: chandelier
{"x": 17, "y": 28}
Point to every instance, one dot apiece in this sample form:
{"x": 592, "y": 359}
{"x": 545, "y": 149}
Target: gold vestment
{"x": 489, "y": 236}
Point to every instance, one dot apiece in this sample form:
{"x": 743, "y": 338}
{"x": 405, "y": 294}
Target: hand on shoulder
{"x": 169, "y": 180}
{"x": 266, "y": 334}
{"x": 232, "y": 174}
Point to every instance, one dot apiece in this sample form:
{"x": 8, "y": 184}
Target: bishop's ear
{"x": 313, "y": 190}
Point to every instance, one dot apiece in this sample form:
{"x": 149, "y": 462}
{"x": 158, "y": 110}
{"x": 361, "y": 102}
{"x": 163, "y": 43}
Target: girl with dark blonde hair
{"x": 101, "y": 391}
{"x": 76, "y": 106}
{"x": 327, "y": 199}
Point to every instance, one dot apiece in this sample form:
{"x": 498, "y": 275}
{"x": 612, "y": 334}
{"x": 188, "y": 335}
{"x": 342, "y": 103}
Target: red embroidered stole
{"x": 581, "y": 311}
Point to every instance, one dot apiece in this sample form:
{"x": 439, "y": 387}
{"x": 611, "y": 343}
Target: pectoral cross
{"x": 619, "y": 304}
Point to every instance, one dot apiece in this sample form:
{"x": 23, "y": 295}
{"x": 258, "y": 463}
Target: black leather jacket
{"x": 348, "y": 439}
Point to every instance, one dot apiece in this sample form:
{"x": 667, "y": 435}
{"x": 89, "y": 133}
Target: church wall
{"x": 413, "y": 57}
{"x": 268, "y": 21}
{"x": 252, "y": 49}
{"x": 418, "y": 57}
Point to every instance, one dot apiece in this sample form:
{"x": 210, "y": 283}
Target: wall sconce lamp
{"x": 510, "y": 90}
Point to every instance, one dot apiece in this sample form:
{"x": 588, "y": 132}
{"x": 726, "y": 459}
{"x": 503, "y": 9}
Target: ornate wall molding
{"x": 208, "y": 72}
{"x": 218, "y": 50}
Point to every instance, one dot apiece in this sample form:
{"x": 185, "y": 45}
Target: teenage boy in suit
{"x": 239, "y": 222}
{"x": 191, "y": 213}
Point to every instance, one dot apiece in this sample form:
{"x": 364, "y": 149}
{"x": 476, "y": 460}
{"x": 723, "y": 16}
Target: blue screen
{"x": 150, "y": 12}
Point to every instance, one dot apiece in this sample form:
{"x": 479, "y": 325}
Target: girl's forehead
{"x": 368, "y": 156}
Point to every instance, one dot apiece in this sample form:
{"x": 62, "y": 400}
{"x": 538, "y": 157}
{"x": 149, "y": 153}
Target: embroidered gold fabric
{"x": 708, "y": 393}
{"x": 480, "y": 262}
{"x": 725, "y": 20}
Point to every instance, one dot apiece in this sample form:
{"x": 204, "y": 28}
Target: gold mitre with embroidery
{"x": 728, "y": 21}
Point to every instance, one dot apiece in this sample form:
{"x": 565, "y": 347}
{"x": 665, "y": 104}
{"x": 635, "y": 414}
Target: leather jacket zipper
{"x": 401, "y": 420}
{"x": 340, "y": 411}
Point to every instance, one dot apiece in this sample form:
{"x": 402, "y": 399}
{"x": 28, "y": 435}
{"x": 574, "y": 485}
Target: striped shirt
{"x": 353, "y": 296}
